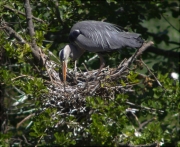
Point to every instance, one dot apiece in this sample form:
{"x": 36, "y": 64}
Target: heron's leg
{"x": 102, "y": 64}
{"x": 75, "y": 66}
{"x": 75, "y": 69}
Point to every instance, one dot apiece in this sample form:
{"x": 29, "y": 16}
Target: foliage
{"x": 149, "y": 114}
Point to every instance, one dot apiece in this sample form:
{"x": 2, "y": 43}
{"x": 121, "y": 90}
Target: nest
{"x": 70, "y": 97}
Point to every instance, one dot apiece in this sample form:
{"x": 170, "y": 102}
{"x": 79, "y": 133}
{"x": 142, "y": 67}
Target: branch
{"x": 35, "y": 49}
{"x": 19, "y": 12}
{"x": 13, "y": 33}
{"x": 142, "y": 125}
{"x": 56, "y": 4}
{"x": 174, "y": 42}
{"x": 166, "y": 53}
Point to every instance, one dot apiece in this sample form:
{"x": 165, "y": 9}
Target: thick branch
{"x": 29, "y": 19}
{"x": 167, "y": 53}
{"x": 34, "y": 47}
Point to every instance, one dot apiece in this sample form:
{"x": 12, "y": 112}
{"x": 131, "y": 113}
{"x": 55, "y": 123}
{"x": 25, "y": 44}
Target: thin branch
{"x": 26, "y": 118}
{"x": 19, "y": 12}
{"x": 142, "y": 125}
{"x": 151, "y": 73}
{"x": 40, "y": 138}
{"x": 85, "y": 67}
{"x": 13, "y": 33}
{"x": 26, "y": 140}
{"x": 169, "y": 22}
{"x": 136, "y": 119}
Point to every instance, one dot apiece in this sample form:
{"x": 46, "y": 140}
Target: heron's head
{"x": 64, "y": 57}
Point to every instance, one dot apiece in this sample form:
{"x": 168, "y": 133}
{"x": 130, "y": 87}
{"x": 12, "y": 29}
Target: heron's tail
{"x": 132, "y": 40}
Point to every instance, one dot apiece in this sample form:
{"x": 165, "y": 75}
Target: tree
{"x": 135, "y": 102}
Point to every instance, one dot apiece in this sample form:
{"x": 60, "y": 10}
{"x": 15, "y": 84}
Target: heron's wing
{"x": 98, "y": 36}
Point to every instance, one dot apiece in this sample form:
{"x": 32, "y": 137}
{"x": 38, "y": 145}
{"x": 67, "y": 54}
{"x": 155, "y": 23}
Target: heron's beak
{"x": 64, "y": 69}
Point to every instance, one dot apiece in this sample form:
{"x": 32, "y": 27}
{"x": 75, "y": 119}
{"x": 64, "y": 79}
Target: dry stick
{"x": 19, "y": 12}
{"x": 85, "y": 67}
{"x": 26, "y": 118}
{"x": 136, "y": 119}
{"x": 132, "y": 58}
{"x": 22, "y": 76}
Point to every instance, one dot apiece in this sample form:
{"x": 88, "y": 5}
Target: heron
{"x": 97, "y": 37}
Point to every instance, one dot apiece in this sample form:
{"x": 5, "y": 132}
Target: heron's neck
{"x": 75, "y": 52}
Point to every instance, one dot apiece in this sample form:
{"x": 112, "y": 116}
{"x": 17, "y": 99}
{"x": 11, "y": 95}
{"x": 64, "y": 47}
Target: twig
{"x": 26, "y": 140}
{"x": 151, "y": 73}
{"x": 95, "y": 56}
{"x": 40, "y": 138}
{"x": 26, "y": 118}
{"x": 85, "y": 67}
{"x": 136, "y": 118}
{"x": 142, "y": 125}
{"x": 22, "y": 76}
{"x": 169, "y": 22}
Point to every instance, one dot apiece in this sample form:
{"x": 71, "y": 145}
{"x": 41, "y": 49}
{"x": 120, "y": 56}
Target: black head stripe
{"x": 61, "y": 55}
{"x": 73, "y": 35}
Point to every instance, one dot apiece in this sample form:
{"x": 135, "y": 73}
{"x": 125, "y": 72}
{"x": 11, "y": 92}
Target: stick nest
{"x": 71, "y": 97}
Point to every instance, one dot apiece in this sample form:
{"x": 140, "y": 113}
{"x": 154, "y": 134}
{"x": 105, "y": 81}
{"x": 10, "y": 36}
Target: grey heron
{"x": 97, "y": 37}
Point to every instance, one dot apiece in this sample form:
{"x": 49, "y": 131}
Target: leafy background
{"x": 22, "y": 85}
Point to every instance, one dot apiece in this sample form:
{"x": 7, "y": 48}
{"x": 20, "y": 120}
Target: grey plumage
{"x": 97, "y": 36}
